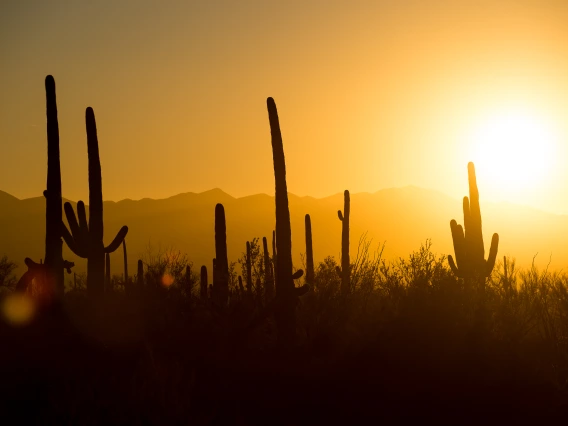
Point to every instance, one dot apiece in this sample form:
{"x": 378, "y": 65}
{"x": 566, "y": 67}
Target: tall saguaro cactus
{"x": 345, "y": 262}
{"x": 53, "y": 199}
{"x": 309, "y": 252}
{"x": 84, "y": 240}
{"x": 470, "y": 260}
{"x": 221, "y": 274}
{"x": 286, "y": 292}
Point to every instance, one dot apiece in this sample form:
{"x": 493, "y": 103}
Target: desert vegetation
{"x": 258, "y": 340}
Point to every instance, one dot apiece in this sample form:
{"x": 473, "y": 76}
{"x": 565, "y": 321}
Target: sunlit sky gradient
{"x": 371, "y": 94}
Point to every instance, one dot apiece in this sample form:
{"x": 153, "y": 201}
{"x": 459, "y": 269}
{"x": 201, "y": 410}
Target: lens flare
{"x": 18, "y": 309}
{"x": 167, "y": 280}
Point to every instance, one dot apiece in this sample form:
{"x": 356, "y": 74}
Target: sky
{"x": 371, "y": 95}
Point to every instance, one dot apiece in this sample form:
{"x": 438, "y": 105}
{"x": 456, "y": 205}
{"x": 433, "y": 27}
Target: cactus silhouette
{"x": 125, "y": 262}
{"x": 221, "y": 272}
{"x": 84, "y": 240}
{"x": 286, "y": 293}
{"x": 51, "y": 271}
{"x": 249, "y": 268}
{"x": 203, "y": 283}
{"x": 268, "y": 279}
{"x": 53, "y": 201}
{"x": 140, "y": 274}
{"x": 309, "y": 252}
{"x": 345, "y": 271}
{"x": 470, "y": 260}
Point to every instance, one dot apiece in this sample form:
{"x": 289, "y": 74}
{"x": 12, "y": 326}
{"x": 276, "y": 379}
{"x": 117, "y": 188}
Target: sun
{"x": 514, "y": 151}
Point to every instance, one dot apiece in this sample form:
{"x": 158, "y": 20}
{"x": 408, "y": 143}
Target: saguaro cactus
{"x": 84, "y": 240}
{"x": 125, "y": 262}
{"x": 286, "y": 292}
{"x": 345, "y": 262}
{"x": 140, "y": 274}
{"x": 468, "y": 246}
{"x": 53, "y": 200}
{"x": 249, "y": 268}
{"x": 221, "y": 273}
{"x": 203, "y": 283}
{"x": 309, "y": 252}
{"x": 51, "y": 272}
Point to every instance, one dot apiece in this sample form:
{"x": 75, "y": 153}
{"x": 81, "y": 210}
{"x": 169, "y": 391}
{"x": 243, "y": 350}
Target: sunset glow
{"x": 515, "y": 150}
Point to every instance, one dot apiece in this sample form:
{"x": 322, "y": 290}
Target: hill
{"x": 402, "y": 217}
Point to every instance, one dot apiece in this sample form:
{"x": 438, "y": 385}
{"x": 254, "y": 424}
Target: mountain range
{"x": 402, "y": 218}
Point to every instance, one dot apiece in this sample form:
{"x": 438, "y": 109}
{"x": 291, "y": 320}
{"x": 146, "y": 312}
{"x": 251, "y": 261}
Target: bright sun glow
{"x": 514, "y": 151}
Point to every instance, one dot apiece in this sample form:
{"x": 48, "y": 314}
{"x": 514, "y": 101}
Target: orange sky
{"x": 371, "y": 94}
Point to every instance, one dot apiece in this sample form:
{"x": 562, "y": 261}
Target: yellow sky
{"x": 371, "y": 94}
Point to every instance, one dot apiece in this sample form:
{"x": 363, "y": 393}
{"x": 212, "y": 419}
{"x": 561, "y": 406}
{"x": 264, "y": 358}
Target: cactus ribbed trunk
{"x": 286, "y": 306}
{"x": 140, "y": 275}
{"x": 203, "y": 283}
{"x": 53, "y": 200}
{"x": 268, "y": 280}
{"x": 221, "y": 274}
{"x": 345, "y": 262}
{"x": 309, "y": 252}
{"x": 125, "y": 261}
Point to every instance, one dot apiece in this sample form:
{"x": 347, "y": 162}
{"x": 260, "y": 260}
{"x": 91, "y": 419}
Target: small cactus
{"x": 249, "y": 268}
{"x": 268, "y": 279}
{"x": 221, "y": 272}
{"x": 203, "y": 283}
{"x": 140, "y": 275}
{"x": 309, "y": 252}
{"x": 345, "y": 271}
{"x": 125, "y": 262}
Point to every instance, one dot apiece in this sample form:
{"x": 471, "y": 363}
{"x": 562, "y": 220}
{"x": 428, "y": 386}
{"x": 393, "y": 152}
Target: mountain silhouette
{"x": 402, "y": 217}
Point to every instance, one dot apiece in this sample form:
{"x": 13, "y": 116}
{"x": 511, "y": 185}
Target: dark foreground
{"x": 139, "y": 360}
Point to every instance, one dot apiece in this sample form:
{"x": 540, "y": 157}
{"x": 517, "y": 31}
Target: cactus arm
{"x": 77, "y": 240}
{"x": 492, "y": 254}
{"x": 112, "y": 247}
{"x": 83, "y": 225}
{"x": 458, "y": 238}
{"x": 72, "y": 219}
{"x": 340, "y": 215}
{"x": 70, "y": 241}
{"x": 298, "y": 274}
{"x": 453, "y": 267}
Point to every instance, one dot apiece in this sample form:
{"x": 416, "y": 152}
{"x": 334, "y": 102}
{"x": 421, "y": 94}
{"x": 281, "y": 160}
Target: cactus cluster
{"x": 274, "y": 284}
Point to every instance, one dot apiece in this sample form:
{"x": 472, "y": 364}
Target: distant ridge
{"x": 403, "y": 217}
